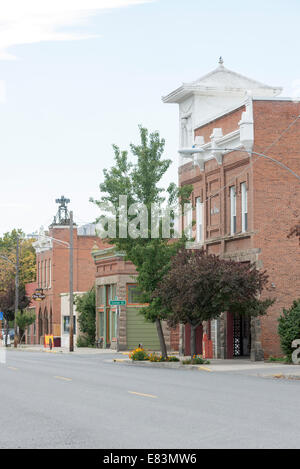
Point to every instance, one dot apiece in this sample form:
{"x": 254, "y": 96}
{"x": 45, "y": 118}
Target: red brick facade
{"x": 53, "y": 277}
{"x": 273, "y": 204}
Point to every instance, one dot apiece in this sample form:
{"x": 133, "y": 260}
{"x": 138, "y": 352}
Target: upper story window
{"x": 199, "y": 221}
{"x": 42, "y": 275}
{"x": 46, "y": 276}
{"x": 244, "y": 194}
{"x": 39, "y": 275}
{"x": 50, "y": 274}
{"x": 188, "y": 221}
{"x": 134, "y": 295}
{"x": 232, "y": 210}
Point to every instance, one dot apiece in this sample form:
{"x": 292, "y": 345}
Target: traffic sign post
{"x": 118, "y": 304}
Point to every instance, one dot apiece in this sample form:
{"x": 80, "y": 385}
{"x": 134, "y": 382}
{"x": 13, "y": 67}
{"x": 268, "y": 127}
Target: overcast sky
{"x": 79, "y": 75}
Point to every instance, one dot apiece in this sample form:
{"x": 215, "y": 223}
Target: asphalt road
{"x": 87, "y": 401}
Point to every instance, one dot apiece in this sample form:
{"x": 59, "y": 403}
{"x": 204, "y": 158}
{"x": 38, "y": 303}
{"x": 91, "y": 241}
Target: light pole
{"x": 71, "y": 293}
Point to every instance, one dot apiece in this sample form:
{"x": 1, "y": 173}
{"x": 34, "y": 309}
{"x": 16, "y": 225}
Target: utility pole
{"x": 16, "y": 292}
{"x": 71, "y": 285}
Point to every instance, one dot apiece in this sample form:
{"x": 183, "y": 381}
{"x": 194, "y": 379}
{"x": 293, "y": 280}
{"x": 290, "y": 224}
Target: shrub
{"x": 139, "y": 354}
{"x": 278, "y": 359}
{"x": 197, "y": 360}
{"x": 159, "y": 358}
{"x": 83, "y": 341}
{"x": 173, "y": 359}
{"x": 289, "y": 328}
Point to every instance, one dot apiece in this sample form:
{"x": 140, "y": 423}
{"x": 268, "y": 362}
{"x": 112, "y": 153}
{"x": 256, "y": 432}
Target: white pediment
{"x": 221, "y": 81}
{"x": 224, "y": 78}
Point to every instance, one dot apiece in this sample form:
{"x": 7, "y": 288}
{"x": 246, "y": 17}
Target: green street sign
{"x": 117, "y": 303}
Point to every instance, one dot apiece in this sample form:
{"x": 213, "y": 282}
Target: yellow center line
{"x": 63, "y": 378}
{"x": 204, "y": 368}
{"x": 143, "y": 395}
{"x": 12, "y": 368}
{"x": 119, "y": 360}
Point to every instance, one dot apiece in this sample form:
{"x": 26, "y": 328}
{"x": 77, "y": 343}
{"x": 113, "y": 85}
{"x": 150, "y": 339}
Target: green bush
{"x": 289, "y": 328}
{"x": 139, "y": 354}
{"x": 83, "y": 342}
{"x": 196, "y": 361}
{"x": 173, "y": 359}
{"x": 278, "y": 359}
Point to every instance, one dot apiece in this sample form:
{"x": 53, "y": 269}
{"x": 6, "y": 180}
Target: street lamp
{"x": 71, "y": 293}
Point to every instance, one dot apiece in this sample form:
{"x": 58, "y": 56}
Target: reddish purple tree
{"x": 201, "y": 286}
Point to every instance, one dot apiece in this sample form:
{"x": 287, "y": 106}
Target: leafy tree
{"x": 7, "y": 301}
{"x": 86, "y": 306}
{"x": 24, "y": 320}
{"x": 139, "y": 181}
{"x": 200, "y": 286}
{"x": 27, "y": 258}
{"x": 289, "y": 328}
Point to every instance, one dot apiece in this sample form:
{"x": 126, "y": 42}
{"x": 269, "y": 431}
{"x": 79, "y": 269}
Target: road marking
{"x": 63, "y": 378}
{"x": 119, "y": 360}
{"x": 12, "y": 368}
{"x": 143, "y": 395}
{"x": 204, "y": 368}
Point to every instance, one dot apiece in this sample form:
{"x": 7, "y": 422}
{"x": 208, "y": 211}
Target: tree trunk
{"x": 161, "y": 337}
{"x": 193, "y": 341}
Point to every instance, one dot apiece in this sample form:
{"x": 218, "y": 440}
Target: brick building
{"x": 115, "y": 277}
{"x": 243, "y": 205}
{"x": 52, "y": 254}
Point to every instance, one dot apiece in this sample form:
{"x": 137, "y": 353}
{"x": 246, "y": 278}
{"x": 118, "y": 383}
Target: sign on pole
{"x": 1, "y": 316}
{"x": 117, "y": 302}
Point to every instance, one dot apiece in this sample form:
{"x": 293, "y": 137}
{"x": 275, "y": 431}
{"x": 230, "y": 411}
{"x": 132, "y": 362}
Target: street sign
{"x": 117, "y": 302}
{"x": 1, "y": 316}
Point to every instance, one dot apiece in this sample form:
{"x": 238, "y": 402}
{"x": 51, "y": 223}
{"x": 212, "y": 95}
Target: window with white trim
{"x": 244, "y": 207}
{"x": 189, "y": 221}
{"x": 232, "y": 210}
{"x": 199, "y": 221}
{"x": 50, "y": 273}
{"x": 42, "y": 274}
{"x": 46, "y": 276}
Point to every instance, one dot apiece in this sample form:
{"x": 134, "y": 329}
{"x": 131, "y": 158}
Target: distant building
{"x": 52, "y": 253}
{"x": 243, "y": 205}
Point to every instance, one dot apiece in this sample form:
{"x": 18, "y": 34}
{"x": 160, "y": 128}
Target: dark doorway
{"x": 238, "y": 336}
{"x": 187, "y": 340}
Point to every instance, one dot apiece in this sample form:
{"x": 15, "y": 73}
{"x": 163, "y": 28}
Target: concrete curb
{"x": 174, "y": 366}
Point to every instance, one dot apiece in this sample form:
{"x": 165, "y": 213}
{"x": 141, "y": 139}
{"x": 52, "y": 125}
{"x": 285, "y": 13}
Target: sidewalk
{"x": 263, "y": 369}
{"x": 77, "y": 350}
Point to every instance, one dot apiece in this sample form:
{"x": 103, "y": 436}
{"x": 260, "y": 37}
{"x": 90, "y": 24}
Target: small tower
{"x": 62, "y": 217}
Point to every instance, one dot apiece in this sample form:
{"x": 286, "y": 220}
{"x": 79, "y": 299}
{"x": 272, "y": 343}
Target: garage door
{"x": 140, "y": 331}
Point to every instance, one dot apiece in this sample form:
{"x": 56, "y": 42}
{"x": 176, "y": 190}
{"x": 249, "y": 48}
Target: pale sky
{"x": 79, "y": 75}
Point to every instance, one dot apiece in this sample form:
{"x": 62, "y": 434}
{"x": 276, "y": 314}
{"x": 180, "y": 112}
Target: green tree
{"x": 199, "y": 287}
{"x": 139, "y": 180}
{"x": 24, "y": 320}
{"x": 289, "y": 328}
{"x": 86, "y": 307}
{"x": 7, "y": 301}
{"x": 27, "y": 270}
